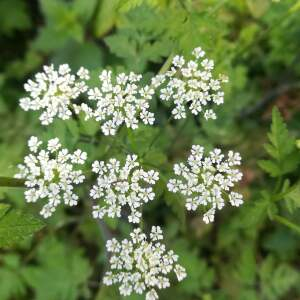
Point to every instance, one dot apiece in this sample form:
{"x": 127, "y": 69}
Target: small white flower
{"x": 83, "y": 73}
{"x": 79, "y": 157}
{"x": 141, "y": 265}
{"x": 54, "y": 145}
{"x": 198, "y": 52}
{"x": 156, "y": 233}
{"x": 180, "y": 272}
{"x": 119, "y": 100}
{"x": 209, "y": 216}
{"x": 118, "y": 186}
{"x": 191, "y": 84}
{"x": 34, "y": 143}
{"x": 50, "y": 174}
{"x": 235, "y": 199}
{"x": 207, "y": 181}
{"x": 53, "y": 92}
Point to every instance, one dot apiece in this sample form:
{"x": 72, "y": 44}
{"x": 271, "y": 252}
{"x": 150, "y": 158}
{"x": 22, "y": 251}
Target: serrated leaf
{"x": 293, "y": 197}
{"x": 126, "y": 5}
{"x": 61, "y": 272}
{"x": 16, "y": 225}
{"x": 270, "y": 167}
{"x": 62, "y": 24}
{"x": 279, "y": 136}
{"x": 282, "y": 149}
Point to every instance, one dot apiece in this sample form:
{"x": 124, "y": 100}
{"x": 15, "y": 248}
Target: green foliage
{"x": 277, "y": 280}
{"x": 251, "y": 252}
{"x": 16, "y": 225}
{"x": 12, "y": 283}
{"x": 61, "y": 271}
{"x": 282, "y": 149}
{"x": 17, "y": 11}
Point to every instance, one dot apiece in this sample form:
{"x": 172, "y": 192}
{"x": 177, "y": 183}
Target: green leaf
{"x": 13, "y": 16}
{"x": 276, "y": 280}
{"x": 106, "y": 16}
{"x": 270, "y": 167}
{"x": 84, "y": 9}
{"x": 139, "y": 40}
{"x": 254, "y": 213}
{"x": 16, "y": 225}
{"x": 12, "y": 285}
{"x": 77, "y": 55}
{"x": 282, "y": 149}
{"x": 246, "y": 265}
{"x": 127, "y": 5}
{"x": 196, "y": 268}
{"x": 62, "y": 24}
{"x": 294, "y": 197}
{"x": 279, "y": 136}
{"x": 61, "y": 272}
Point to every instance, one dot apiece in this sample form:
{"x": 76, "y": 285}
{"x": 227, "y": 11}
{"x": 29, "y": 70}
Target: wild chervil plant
{"x": 122, "y": 187}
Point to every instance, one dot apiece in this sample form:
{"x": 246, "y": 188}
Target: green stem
{"x": 11, "y": 182}
{"x": 278, "y": 184}
{"x": 278, "y": 197}
{"x": 287, "y": 223}
{"x": 165, "y": 67}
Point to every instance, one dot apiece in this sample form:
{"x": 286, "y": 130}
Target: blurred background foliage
{"x": 252, "y": 252}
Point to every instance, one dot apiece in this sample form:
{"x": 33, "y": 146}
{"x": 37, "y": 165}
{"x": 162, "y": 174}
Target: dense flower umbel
{"x": 141, "y": 265}
{"x": 50, "y": 174}
{"x": 120, "y": 186}
{"x": 207, "y": 181}
{"x": 53, "y": 92}
{"x": 118, "y": 101}
{"x": 191, "y": 83}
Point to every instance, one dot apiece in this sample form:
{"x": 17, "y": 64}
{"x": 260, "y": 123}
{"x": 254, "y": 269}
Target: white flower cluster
{"x": 207, "y": 181}
{"x": 141, "y": 266}
{"x": 192, "y": 84}
{"x": 122, "y": 99}
{"x": 120, "y": 186}
{"x": 119, "y": 101}
{"x": 50, "y": 174}
{"x": 53, "y": 92}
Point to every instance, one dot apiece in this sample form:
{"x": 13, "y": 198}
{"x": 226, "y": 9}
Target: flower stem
{"x": 11, "y": 182}
{"x": 287, "y": 223}
{"x": 165, "y": 67}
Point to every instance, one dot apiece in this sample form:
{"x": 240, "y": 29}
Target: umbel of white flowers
{"x": 50, "y": 174}
{"x": 123, "y": 99}
{"x": 141, "y": 265}
{"x": 118, "y": 186}
{"x": 120, "y": 100}
{"x": 53, "y": 92}
{"x": 192, "y": 84}
{"x": 207, "y": 181}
